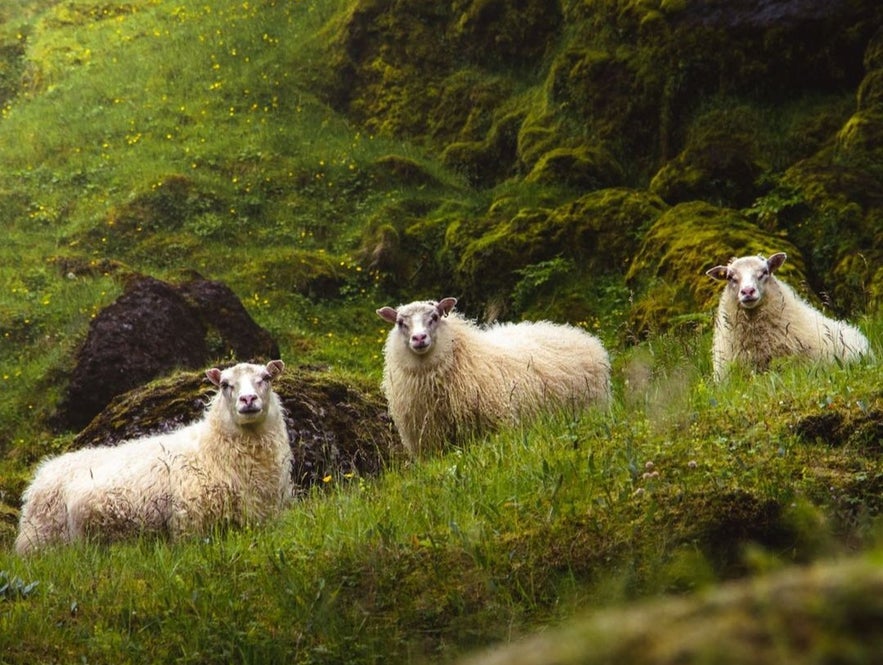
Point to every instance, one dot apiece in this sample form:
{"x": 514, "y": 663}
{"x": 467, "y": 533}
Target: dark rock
{"x": 223, "y": 314}
{"x": 153, "y": 328}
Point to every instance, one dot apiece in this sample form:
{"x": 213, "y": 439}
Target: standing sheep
{"x": 760, "y": 318}
{"x": 231, "y": 467}
{"x": 445, "y": 378}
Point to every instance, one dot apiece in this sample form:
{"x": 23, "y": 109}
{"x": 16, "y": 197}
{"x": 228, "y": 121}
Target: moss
{"x": 719, "y": 164}
{"x": 837, "y": 226}
{"x": 401, "y": 247}
{"x": 584, "y": 168}
{"x": 668, "y": 272}
{"x": 597, "y": 232}
{"x": 314, "y": 274}
{"x": 163, "y": 207}
{"x": 496, "y": 32}
{"x": 398, "y": 171}
{"x": 491, "y": 159}
{"x": 822, "y": 613}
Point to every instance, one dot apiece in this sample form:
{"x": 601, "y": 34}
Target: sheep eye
{"x": 434, "y": 317}
{"x": 225, "y": 385}
{"x": 266, "y": 377}
{"x": 401, "y": 323}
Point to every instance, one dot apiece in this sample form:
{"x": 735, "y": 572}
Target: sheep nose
{"x": 748, "y": 291}
{"x": 418, "y": 338}
{"x": 248, "y": 400}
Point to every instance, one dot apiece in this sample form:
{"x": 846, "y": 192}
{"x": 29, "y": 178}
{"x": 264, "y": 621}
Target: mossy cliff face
{"x": 428, "y": 70}
{"x": 759, "y": 124}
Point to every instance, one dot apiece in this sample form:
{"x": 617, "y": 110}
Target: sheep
{"x": 760, "y": 318}
{"x": 232, "y": 467}
{"x": 445, "y": 378}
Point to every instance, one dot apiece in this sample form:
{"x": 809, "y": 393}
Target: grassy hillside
{"x": 577, "y": 161}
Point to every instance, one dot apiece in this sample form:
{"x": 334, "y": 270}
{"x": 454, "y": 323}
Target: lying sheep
{"x": 231, "y": 467}
{"x": 760, "y": 318}
{"x": 445, "y": 378}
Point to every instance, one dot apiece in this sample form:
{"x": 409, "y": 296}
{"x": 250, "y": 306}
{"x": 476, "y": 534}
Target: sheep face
{"x": 747, "y": 277}
{"x": 245, "y": 390}
{"x": 417, "y": 322}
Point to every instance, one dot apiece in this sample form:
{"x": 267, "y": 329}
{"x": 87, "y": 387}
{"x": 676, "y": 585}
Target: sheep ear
{"x": 275, "y": 367}
{"x": 776, "y": 260}
{"x": 214, "y": 375}
{"x": 718, "y": 272}
{"x": 445, "y": 305}
{"x": 388, "y": 314}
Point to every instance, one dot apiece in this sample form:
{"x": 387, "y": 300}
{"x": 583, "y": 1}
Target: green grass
{"x": 681, "y": 485}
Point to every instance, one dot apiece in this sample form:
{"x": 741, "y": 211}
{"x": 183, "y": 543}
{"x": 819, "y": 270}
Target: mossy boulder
{"x": 585, "y": 167}
{"x": 720, "y": 163}
{"x": 632, "y": 74}
{"x": 502, "y": 33}
{"x": 836, "y": 196}
{"x": 401, "y": 247}
{"x": 823, "y": 613}
{"x": 668, "y": 271}
{"x": 337, "y": 426}
{"x": 835, "y": 218}
{"x": 596, "y": 234}
{"x": 314, "y": 274}
{"x": 390, "y": 171}
{"x": 441, "y": 74}
{"x": 491, "y": 158}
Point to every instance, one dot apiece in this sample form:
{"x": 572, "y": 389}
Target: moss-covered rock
{"x": 151, "y": 223}
{"x": 491, "y": 158}
{"x": 596, "y": 233}
{"x": 401, "y": 247}
{"x": 336, "y": 426}
{"x": 391, "y": 171}
{"x": 668, "y": 272}
{"x": 720, "y": 163}
{"x": 314, "y": 274}
{"x": 584, "y": 168}
{"x": 822, "y": 613}
{"x": 501, "y": 33}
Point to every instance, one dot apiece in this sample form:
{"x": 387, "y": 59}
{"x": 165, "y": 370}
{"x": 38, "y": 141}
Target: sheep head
{"x": 245, "y": 390}
{"x": 747, "y": 277}
{"x": 417, "y": 322}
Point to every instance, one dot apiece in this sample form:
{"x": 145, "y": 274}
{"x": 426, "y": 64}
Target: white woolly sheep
{"x": 445, "y": 378}
{"x": 230, "y": 467}
{"x": 760, "y": 318}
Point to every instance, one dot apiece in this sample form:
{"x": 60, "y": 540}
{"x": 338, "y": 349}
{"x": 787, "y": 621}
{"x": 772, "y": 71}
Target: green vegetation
{"x": 580, "y": 161}
{"x": 495, "y": 538}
